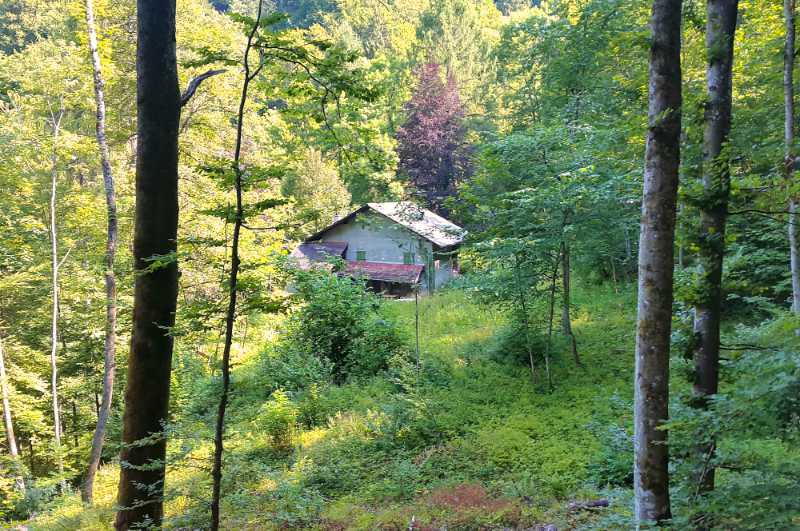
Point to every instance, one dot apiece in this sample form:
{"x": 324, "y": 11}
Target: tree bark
{"x": 7, "y": 420}
{"x": 656, "y": 263}
{"x": 566, "y": 320}
{"x": 54, "y": 267}
{"x": 110, "y": 347}
{"x": 416, "y": 328}
{"x": 141, "y": 485}
{"x": 789, "y": 15}
{"x": 233, "y": 280}
{"x": 525, "y": 318}
{"x": 720, "y": 31}
{"x": 552, "y": 305}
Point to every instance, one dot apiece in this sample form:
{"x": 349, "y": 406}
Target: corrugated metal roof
{"x": 421, "y": 221}
{"x": 401, "y": 273}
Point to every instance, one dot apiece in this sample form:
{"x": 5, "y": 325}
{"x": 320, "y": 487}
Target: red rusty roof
{"x": 400, "y": 273}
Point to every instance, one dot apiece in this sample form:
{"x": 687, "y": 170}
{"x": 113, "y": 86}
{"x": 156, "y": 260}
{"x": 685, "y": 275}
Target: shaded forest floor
{"x": 468, "y": 444}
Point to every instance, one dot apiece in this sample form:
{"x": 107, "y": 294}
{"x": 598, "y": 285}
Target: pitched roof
{"x": 418, "y": 220}
{"x": 422, "y": 221}
{"x": 306, "y": 253}
{"x": 401, "y": 273}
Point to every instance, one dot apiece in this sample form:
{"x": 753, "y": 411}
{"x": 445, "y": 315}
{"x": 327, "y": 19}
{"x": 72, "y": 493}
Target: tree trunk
{"x": 552, "y": 305}
{"x": 7, "y": 420}
{"x": 566, "y": 321}
{"x": 32, "y": 456}
{"x": 656, "y": 262}
{"x": 141, "y": 485}
{"x": 416, "y": 328}
{"x": 789, "y": 15}
{"x": 794, "y": 258}
{"x": 525, "y": 319}
{"x": 219, "y": 434}
{"x": 720, "y": 29}
{"x": 110, "y": 347}
{"x": 54, "y": 266}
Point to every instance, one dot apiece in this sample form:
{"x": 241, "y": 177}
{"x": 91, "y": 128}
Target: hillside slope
{"x": 468, "y": 444}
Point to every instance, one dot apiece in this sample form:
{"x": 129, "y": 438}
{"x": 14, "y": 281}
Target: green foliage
{"x": 10, "y": 496}
{"x": 331, "y": 424}
{"x": 279, "y": 417}
{"x": 611, "y": 466}
{"x": 340, "y": 321}
{"x": 318, "y": 192}
{"x": 755, "y": 423}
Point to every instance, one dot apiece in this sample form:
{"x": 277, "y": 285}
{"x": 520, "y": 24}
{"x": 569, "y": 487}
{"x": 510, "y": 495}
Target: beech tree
{"x": 250, "y": 73}
{"x": 8, "y": 421}
{"x": 656, "y": 262}
{"x": 431, "y": 143}
{"x": 142, "y": 467}
{"x": 713, "y": 205}
{"x": 110, "y": 346}
{"x": 789, "y": 154}
{"x": 55, "y": 264}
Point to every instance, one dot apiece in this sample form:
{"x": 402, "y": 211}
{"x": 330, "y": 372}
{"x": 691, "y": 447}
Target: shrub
{"x": 340, "y": 321}
{"x": 510, "y": 343}
{"x": 279, "y": 418}
{"x": 10, "y": 496}
{"x": 612, "y": 466}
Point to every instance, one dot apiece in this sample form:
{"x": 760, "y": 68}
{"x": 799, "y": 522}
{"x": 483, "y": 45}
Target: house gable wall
{"x": 382, "y": 239}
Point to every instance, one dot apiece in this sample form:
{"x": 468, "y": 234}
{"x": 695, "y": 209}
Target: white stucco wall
{"x": 383, "y": 240}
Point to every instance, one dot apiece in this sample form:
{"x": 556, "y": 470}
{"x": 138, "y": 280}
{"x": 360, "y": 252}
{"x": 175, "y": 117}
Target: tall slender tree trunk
{"x": 789, "y": 15}
{"x": 110, "y": 347}
{"x": 566, "y": 285}
{"x": 525, "y": 318}
{"x": 7, "y": 420}
{"x": 720, "y": 31}
{"x": 54, "y": 266}
{"x": 416, "y": 328}
{"x": 656, "y": 263}
{"x": 233, "y": 279}
{"x": 551, "y": 314}
{"x": 141, "y": 486}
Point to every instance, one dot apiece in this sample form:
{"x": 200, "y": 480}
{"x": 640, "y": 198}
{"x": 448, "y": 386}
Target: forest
{"x": 620, "y": 346}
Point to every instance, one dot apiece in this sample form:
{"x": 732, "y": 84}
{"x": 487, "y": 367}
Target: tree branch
{"x": 194, "y": 83}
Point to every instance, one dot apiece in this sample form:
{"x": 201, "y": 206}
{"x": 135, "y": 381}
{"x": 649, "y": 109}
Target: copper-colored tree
{"x": 431, "y": 143}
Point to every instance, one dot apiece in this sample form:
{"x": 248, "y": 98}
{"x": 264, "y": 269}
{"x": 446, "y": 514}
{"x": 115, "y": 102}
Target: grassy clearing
{"x": 469, "y": 444}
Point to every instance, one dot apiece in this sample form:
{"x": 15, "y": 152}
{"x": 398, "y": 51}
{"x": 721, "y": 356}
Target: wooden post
{"x": 416, "y": 324}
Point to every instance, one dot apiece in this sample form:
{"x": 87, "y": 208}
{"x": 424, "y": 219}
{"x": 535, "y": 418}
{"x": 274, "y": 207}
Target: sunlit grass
{"x": 498, "y": 429}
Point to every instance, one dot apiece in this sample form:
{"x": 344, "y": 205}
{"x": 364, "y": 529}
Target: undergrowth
{"x": 468, "y": 442}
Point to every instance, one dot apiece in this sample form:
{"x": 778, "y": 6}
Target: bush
{"x": 612, "y": 465}
{"x": 279, "y": 419}
{"x": 753, "y": 422}
{"x": 10, "y": 496}
{"x": 340, "y": 322}
{"x": 510, "y": 343}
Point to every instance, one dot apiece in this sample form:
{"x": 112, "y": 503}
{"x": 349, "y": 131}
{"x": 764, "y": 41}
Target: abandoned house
{"x": 394, "y": 246}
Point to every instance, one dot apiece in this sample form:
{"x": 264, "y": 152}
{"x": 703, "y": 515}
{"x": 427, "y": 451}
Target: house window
{"x": 361, "y": 255}
{"x": 408, "y": 258}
